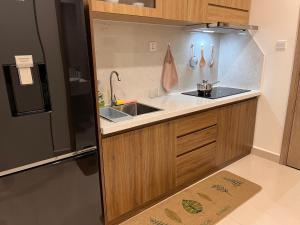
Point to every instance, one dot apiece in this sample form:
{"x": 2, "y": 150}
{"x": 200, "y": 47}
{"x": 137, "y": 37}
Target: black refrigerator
{"x": 49, "y": 167}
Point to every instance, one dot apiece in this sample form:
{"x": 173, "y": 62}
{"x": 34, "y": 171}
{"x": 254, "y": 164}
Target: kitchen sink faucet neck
{"x": 113, "y": 98}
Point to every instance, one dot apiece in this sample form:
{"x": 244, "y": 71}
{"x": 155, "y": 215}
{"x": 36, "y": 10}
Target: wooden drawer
{"x": 196, "y": 122}
{"x": 196, "y": 164}
{"x": 196, "y": 140}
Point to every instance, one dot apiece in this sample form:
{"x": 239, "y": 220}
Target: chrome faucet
{"x": 112, "y": 95}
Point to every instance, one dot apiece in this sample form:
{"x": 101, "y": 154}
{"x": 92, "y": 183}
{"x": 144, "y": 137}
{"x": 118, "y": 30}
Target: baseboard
{"x": 265, "y": 154}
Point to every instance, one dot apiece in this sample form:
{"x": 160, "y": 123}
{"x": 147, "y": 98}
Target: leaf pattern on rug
{"x": 173, "y": 215}
{"x": 223, "y": 210}
{"x": 204, "y": 196}
{"x": 234, "y": 182}
{"x": 192, "y": 207}
{"x": 155, "y": 221}
{"x": 221, "y": 188}
{"x": 207, "y": 222}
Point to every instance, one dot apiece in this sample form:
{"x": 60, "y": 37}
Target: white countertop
{"x": 173, "y": 105}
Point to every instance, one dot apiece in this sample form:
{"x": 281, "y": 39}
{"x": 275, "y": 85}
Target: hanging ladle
{"x": 202, "y": 61}
{"x": 194, "y": 59}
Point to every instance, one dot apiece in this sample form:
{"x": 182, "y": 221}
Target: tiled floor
{"x": 279, "y": 201}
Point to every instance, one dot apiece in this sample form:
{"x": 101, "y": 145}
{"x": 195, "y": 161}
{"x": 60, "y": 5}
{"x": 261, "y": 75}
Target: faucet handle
{"x": 114, "y": 99}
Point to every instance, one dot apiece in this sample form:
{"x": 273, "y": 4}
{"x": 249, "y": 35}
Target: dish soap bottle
{"x": 101, "y": 101}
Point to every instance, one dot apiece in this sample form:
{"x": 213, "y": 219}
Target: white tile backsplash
{"x": 124, "y": 47}
{"x": 240, "y": 62}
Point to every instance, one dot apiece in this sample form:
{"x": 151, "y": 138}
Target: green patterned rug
{"x": 205, "y": 203}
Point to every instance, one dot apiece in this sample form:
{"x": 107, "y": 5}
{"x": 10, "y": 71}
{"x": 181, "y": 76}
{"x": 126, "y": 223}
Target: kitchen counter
{"x": 173, "y": 105}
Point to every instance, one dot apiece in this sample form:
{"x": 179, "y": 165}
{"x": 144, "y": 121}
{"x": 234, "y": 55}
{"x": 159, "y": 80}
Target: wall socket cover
{"x": 153, "y": 46}
{"x": 281, "y": 45}
{"x": 154, "y": 93}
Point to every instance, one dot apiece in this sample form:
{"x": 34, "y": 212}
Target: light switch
{"x": 281, "y": 45}
{"x": 24, "y": 64}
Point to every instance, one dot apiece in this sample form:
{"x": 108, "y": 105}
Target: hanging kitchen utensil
{"x": 202, "y": 61}
{"x": 169, "y": 75}
{"x": 212, "y": 57}
{"x": 194, "y": 59}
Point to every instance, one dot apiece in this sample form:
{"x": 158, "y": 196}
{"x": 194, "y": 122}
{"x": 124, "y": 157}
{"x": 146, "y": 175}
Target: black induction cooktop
{"x": 217, "y": 92}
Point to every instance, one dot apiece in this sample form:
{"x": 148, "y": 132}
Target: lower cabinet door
{"x": 139, "y": 166}
{"x": 236, "y": 125}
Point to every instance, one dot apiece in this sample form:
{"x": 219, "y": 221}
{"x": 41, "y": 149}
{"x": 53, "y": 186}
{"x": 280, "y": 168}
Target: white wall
{"x": 277, "y": 20}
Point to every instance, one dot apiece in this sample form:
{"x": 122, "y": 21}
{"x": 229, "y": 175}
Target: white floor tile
{"x": 279, "y": 201}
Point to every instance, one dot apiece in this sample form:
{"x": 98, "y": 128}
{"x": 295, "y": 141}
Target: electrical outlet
{"x": 153, "y": 46}
{"x": 153, "y": 93}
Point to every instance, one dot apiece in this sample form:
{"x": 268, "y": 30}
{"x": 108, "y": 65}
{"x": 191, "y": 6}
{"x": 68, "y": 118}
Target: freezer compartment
{"x": 62, "y": 193}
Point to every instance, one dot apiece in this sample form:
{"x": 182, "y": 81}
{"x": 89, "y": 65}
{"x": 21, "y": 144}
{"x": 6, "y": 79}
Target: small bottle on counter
{"x": 101, "y": 101}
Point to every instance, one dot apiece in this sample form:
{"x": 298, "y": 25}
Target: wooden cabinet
{"x": 139, "y": 166}
{"x": 233, "y": 4}
{"x": 236, "y": 124}
{"x": 152, "y": 9}
{"x": 230, "y": 11}
{"x": 210, "y": 11}
{"x": 196, "y": 11}
{"x": 142, "y": 165}
{"x": 228, "y": 15}
{"x": 175, "y": 9}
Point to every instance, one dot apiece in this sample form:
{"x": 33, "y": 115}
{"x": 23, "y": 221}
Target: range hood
{"x": 220, "y": 28}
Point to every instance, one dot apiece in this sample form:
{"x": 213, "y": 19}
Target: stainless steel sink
{"x": 126, "y": 112}
{"x": 114, "y": 115}
{"x": 135, "y": 109}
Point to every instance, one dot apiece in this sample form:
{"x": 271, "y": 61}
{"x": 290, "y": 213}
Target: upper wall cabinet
{"x": 152, "y": 8}
{"x": 175, "y": 11}
{"x": 234, "y": 4}
{"x": 230, "y": 11}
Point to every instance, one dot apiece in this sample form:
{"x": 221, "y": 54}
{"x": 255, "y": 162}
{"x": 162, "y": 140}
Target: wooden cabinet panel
{"x": 138, "y": 166}
{"x": 196, "y": 10}
{"x": 227, "y": 15}
{"x": 236, "y": 125}
{"x": 195, "y": 122}
{"x": 235, "y": 4}
{"x": 175, "y": 9}
{"x": 230, "y": 11}
{"x": 196, "y": 140}
{"x": 125, "y": 9}
{"x": 196, "y": 164}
